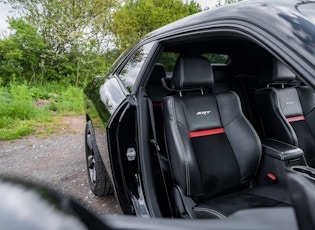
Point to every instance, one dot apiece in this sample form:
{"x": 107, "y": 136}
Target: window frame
{"x": 127, "y": 60}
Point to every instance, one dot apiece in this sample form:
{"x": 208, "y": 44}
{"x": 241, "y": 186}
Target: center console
{"x": 279, "y": 157}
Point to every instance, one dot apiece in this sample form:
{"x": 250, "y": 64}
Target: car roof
{"x": 280, "y": 20}
{"x": 267, "y": 12}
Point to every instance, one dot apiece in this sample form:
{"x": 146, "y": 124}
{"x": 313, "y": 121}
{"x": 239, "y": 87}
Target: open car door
{"x": 122, "y": 138}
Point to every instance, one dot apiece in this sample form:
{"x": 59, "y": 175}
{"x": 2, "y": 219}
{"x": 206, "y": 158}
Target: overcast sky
{"x": 6, "y": 10}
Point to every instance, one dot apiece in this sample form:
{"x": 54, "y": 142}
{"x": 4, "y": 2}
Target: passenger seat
{"x": 287, "y": 113}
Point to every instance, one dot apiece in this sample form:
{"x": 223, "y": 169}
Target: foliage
{"x": 68, "y": 102}
{"x": 73, "y": 41}
{"x": 217, "y": 58}
{"x": 135, "y": 18}
{"x": 69, "y": 42}
{"x": 67, "y": 25}
{"x": 226, "y": 2}
{"x": 21, "y": 53}
{"x": 23, "y": 107}
{"x": 75, "y": 35}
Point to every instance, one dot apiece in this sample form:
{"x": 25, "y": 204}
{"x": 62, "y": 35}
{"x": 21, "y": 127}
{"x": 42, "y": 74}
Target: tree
{"x": 225, "y": 2}
{"x": 135, "y": 18}
{"x": 62, "y": 23}
{"x": 22, "y": 53}
{"x": 76, "y": 34}
{"x": 78, "y": 37}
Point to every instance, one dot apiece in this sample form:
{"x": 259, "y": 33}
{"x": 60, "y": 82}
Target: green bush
{"x": 11, "y": 128}
{"x": 12, "y": 134}
{"x": 20, "y": 92}
{"x": 24, "y": 107}
{"x": 70, "y": 101}
{"x": 23, "y": 110}
{"x": 17, "y": 102}
{"x": 6, "y": 122}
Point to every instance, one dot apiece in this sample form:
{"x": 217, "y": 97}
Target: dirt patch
{"x": 57, "y": 161}
{"x": 42, "y": 102}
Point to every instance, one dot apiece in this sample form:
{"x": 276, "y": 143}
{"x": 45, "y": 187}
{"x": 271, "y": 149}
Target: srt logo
{"x": 203, "y": 113}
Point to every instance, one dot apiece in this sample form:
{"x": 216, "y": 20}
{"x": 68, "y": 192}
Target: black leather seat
{"x": 155, "y": 89}
{"x": 214, "y": 151}
{"x": 287, "y": 112}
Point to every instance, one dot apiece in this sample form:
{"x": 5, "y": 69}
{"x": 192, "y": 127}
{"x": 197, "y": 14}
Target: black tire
{"x": 97, "y": 175}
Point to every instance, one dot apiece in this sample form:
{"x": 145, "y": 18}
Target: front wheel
{"x": 97, "y": 174}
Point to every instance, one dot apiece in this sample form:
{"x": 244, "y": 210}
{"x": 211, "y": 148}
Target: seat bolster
{"x": 183, "y": 162}
{"x": 242, "y": 136}
{"x": 274, "y": 121}
{"x": 307, "y": 99}
{"x": 207, "y": 212}
{"x": 183, "y": 204}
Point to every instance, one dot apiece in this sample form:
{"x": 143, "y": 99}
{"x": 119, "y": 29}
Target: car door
{"x": 122, "y": 134}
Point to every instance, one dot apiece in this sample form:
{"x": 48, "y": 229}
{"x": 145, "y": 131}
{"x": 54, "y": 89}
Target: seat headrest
{"x": 278, "y": 72}
{"x": 157, "y": 74}
{"x": 221, "y": 73}
{"x": 192, "y": 71}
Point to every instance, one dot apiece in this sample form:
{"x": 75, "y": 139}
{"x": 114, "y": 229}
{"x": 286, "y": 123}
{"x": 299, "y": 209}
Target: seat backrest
{"x": 287, "y": 113}
{"x": 211, "y": 145}
{"x": 224, "y": 82}
{"x": 155, "y": 89}
{"x": 305, "y": 126}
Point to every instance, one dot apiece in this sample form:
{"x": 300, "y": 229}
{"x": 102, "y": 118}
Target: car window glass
{"x": 308, "y": 9}
{"x": 130, "y": 72}
{"x": 216, "y": 58}
{"x": 168, "y": 60}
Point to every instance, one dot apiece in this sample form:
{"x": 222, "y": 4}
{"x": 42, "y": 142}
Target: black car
{"x": 206, "y": 117}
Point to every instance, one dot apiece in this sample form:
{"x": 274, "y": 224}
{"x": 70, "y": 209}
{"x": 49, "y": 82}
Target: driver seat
{"x": 213, "y": 150}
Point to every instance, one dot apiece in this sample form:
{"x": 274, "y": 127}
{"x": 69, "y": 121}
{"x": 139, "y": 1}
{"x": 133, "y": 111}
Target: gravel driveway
{"x": 57, "y": 161}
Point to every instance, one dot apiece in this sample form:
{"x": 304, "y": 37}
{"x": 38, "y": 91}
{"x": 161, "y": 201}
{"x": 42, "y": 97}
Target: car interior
{"x": 231, "y": 119}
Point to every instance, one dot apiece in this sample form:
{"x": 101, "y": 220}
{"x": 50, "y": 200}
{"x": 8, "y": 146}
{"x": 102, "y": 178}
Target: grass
{"x": 28, "y": 109}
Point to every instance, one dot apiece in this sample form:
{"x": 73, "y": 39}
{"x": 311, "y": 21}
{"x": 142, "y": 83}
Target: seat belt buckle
{"x": 271, "y": 179}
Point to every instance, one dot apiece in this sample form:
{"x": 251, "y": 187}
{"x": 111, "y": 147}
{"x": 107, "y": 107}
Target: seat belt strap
{"x": 153, "y": 141}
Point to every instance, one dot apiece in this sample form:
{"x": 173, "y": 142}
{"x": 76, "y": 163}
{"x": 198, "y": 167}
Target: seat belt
{"x": 153, "y": 141}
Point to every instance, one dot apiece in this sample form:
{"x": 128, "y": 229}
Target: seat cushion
{"x": 262, "y": 196}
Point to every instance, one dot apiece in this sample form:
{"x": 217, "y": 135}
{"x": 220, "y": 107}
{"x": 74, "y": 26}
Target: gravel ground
{"x": 57, "y": 161}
